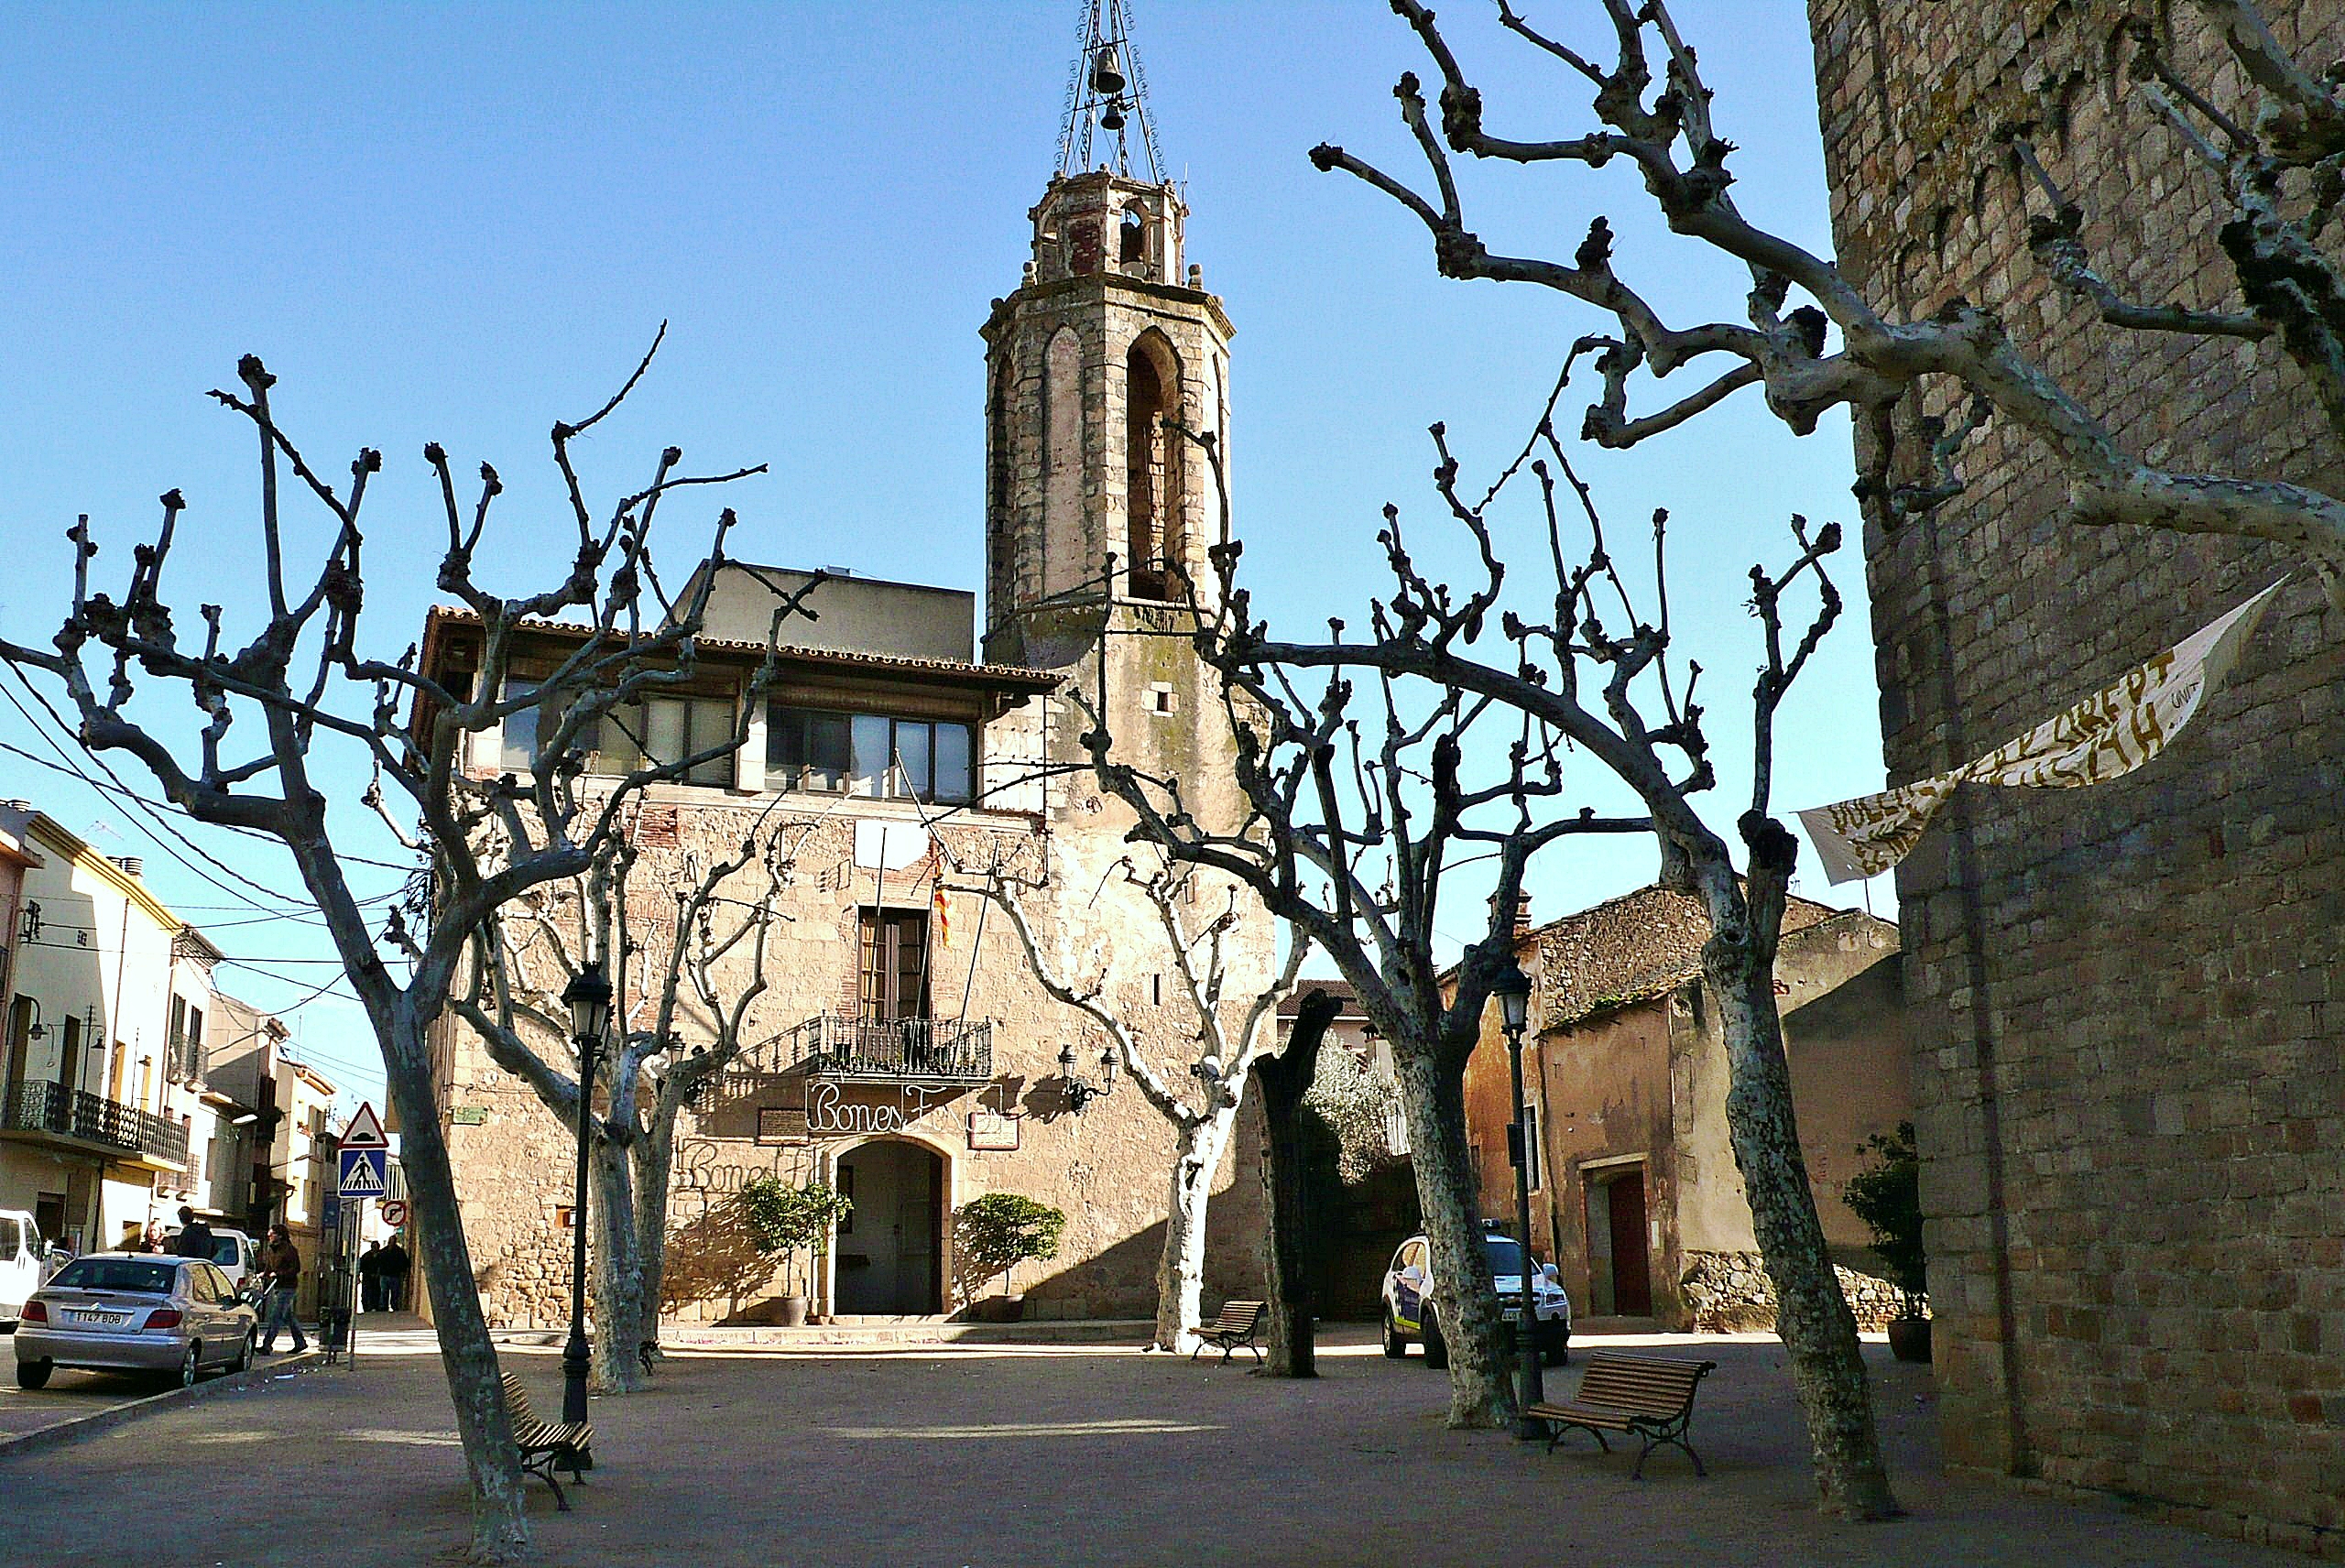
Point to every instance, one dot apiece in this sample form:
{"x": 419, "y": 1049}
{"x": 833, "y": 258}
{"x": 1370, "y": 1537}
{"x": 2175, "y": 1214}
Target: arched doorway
{"x": 889, "y": 1255}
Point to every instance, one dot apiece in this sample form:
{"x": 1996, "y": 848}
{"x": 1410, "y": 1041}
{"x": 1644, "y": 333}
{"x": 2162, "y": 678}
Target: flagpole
{"x": 976, "y": 944}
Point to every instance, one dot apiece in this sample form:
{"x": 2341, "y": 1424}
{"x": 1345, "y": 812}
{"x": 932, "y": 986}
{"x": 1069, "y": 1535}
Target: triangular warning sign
{"x": 365, "y": 1130}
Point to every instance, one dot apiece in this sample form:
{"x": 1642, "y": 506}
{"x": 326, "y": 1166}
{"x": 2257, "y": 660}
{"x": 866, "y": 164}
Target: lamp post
{"x": 589, "y": 998}
{"x": 1512, "y": 989}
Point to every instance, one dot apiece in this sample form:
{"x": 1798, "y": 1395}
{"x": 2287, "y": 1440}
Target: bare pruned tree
{"x": 1592, "y": 672}
{"x": 684, "y": 991}
{"x": 304, "y": 684}
{"x": 1226, "y": 1035}
{"x": 1921, "y": 389}
{"x": 1348, "y": 830}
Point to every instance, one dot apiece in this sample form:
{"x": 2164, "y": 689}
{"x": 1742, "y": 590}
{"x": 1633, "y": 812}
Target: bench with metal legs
{"x": 547, "y": 1446}
{"x": 1238, "y": 1323}
{"x": 1648, "y": 1396}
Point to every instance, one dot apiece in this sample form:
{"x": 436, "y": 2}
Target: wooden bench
{"x": 1651, "y": 1396}
{"x": 547, "y": 1446}
{"x": 1238, "y": 1323}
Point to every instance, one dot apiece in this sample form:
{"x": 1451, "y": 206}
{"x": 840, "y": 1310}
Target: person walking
{"x": 370, "y": 1278}
{"x": 284, "y": 1264}
{"x": 194, "y": 1239}
{"x": 396, "y": 1265}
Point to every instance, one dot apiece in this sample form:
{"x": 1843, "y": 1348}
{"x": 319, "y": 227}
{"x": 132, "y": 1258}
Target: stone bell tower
{"x": 1109, "y": 334}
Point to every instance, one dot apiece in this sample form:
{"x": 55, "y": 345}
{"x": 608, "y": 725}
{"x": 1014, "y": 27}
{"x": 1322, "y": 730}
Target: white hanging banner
{"x": 889, "y": 846}
{"x": 2107, "y": 735}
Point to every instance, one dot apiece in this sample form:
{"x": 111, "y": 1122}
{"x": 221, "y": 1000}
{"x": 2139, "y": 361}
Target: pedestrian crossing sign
{"x": 362, "y": 1174}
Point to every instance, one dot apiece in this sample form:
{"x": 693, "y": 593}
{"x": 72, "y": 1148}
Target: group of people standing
{"x": 382, "y": 1276}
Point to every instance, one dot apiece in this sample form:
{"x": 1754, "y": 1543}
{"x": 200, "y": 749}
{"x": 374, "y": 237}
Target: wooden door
{"x": 1632, "y": 1269}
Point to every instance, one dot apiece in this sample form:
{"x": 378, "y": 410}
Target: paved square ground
{"x": 996, "y": 1456}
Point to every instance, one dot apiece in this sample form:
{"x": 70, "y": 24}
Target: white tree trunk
{"x": 1180, "y": 1273}
{"x": 655, "y": 1152}
{"x": 617, "y": 1276}
{"x": 500, "y": 1531}
{"x": 1464, "y": 1297}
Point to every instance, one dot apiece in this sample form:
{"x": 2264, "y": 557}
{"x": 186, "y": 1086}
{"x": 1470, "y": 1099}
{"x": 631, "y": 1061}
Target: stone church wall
{"x": 2127, "y": 1000}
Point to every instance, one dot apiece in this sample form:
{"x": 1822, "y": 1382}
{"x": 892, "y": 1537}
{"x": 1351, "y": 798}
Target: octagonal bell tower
{"x": 1098, "y": 516}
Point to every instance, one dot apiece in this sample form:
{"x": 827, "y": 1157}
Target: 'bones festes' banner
{"x": 2108, "y": 734}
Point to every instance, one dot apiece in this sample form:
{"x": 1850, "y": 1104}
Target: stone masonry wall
{"x": 1728, "y": 1292}
{"x": 1107, "y": 1168}
{"x": 2126, "y": 1000}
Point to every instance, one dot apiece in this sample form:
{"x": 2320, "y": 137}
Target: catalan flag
{"x": 941, "y": 902}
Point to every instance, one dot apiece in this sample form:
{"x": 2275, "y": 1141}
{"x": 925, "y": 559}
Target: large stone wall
{"x": 2126, "y": 1000}
{"x": 1107, "y": 1168}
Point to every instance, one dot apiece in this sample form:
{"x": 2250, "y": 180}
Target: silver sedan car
{"x": 135, "y": 1312}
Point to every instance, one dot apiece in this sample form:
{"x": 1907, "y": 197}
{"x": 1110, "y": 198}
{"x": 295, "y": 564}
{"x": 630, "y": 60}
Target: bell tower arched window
{"x": 1132, "y": 237}
{"x": 1152, "y": 468}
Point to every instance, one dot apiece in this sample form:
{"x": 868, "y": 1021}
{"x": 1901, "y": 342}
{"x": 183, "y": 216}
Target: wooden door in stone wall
{"x": 889, "y": 1255}
{"x": 1631, "y": 1265}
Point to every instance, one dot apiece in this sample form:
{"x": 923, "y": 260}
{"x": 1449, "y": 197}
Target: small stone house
{"x": 1634, "y": 1189}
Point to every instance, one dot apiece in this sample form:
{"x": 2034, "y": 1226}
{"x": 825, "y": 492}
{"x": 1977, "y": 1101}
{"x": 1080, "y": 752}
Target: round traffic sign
{"x": 394, "y": 1213}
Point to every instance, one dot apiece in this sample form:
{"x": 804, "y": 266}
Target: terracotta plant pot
{"x": 790, "y": 1312}
{"x": 1909, "y": 1338}
{"x": 1001, "y": 1309}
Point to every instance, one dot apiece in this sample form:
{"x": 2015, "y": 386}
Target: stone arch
{"x": 1131, "y": 235}
{"x": 918, "y": 1258}
{"x": 1153, "y": 459}
{"x": 1065, "y": 547}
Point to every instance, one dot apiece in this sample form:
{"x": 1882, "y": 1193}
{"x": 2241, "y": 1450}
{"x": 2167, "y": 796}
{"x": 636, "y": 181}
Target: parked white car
{"x": 20, "y": 1262}
{"x": 235, "y": 1255}
{"x": 1408, "y": 1312}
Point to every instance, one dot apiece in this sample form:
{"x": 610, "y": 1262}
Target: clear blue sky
{"x": 463, "y": 222}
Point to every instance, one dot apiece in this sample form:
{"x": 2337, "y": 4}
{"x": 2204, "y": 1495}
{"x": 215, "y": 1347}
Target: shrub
{"x": 1001, "y": 1230}
{"x": 1888, "y": 1198}
{"x": 789, "y": 1220}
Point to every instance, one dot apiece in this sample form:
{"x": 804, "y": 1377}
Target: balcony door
{"x": 894, "y": 965}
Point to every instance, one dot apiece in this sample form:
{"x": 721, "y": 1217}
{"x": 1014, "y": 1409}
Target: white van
{"x": 235, "y": 1255}
{"x": 20, "y": 1262}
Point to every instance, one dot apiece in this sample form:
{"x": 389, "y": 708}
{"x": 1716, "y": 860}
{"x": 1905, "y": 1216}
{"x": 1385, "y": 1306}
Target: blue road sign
{"x": 362, "y": 1174}
{"x": 329, "y": 1212}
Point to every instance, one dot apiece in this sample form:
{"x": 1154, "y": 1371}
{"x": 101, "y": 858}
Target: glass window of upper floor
{"x": 658, "y": 730}
{"x": 879, "y": 756}
{"x": 873, "y": 755}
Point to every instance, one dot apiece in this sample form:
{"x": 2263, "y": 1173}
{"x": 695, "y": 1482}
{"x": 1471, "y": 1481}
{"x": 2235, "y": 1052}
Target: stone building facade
{"x": 2127, "y": 1000}
{"x": 1634, "y": 1190}
{"x": 912, "y": 1069}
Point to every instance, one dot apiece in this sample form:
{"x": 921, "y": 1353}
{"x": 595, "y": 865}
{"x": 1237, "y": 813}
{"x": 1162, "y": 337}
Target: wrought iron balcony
{"x": 41, "y": 1108}
{"x": 834, "y": 1045}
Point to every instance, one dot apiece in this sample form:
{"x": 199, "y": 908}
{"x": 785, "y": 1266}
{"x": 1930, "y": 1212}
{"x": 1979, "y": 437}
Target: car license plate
{"x": 112, "y": 1320}
{"x": 1512, "y": 1313}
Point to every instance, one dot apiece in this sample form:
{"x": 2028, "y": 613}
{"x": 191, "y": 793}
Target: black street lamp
{"x": 1081, "y": 1092}
{"x": 589, "y": 999}
{"x": 1512, "y": 989}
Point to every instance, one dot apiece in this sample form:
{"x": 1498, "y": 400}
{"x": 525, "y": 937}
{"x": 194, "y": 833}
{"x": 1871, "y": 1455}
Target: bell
{"x": 1111, "y": 117}
{"x": 1107, "y": 75}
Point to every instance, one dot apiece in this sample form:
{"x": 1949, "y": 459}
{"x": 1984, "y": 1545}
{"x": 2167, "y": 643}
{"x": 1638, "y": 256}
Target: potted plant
{"x": 790, "y": 1221}
{"x": 994, "y": 1234}
{"x": 1887, "y": 1196}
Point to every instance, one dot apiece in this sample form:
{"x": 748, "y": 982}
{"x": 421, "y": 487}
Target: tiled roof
{"x": 1340, "y": 989}
{"x": 990, "y": 674}
{"x": 1630, "y": 949}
